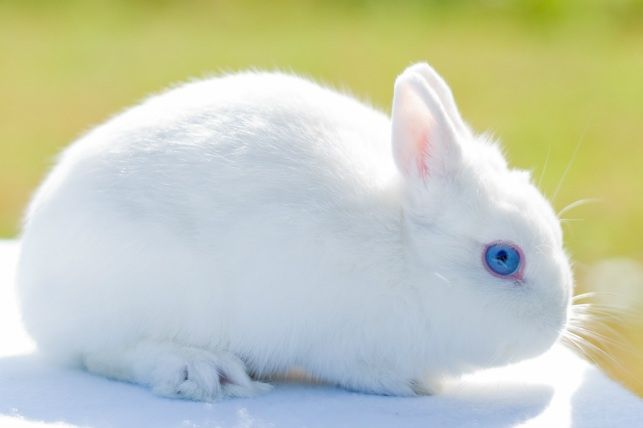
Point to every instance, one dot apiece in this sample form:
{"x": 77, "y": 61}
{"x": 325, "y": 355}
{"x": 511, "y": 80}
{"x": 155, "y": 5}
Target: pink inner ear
{"x": 422, "y": 153}
{"x": 412, "y": 126}
{"x": 416, "y": 152}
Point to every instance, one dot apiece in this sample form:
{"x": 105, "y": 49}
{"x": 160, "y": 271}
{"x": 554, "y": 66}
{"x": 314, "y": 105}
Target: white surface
{"x": 558, "y": 389}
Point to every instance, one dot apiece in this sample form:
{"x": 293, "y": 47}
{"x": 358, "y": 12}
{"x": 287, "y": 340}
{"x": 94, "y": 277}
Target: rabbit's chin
{"x": 529, "y": 345}
{"x": 493, "y": 337}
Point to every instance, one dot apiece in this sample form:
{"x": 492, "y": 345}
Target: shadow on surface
{"x": 34, "y": 391}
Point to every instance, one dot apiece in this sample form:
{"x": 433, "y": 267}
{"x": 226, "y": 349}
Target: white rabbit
{"x": 234, "y": 228}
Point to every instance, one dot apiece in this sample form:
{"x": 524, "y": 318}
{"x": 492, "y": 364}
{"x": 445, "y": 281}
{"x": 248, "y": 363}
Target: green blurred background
{"x": 549, "y": 78}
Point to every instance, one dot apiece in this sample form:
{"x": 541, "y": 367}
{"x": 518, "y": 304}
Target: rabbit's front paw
{"x": 177, "y": 371}
{"x": 204, "y": 376}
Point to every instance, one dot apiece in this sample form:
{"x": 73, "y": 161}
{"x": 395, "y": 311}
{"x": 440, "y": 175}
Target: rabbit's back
{"x": 248, "y": 139}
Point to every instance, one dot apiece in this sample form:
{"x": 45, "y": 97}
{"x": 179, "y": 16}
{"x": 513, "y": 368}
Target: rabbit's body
{"x": 255, "y": 220}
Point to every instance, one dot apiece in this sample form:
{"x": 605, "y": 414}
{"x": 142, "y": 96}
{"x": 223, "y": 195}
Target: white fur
{"x": 258, "y": 221}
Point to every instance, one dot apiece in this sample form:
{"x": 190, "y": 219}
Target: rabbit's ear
{"x": 425, "y": 141}
{"x": 442, "y": 90}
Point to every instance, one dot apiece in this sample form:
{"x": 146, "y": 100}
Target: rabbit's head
{"x": 485, "y": 247}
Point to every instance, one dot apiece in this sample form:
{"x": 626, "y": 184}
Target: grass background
{"x": 548, "y": 77}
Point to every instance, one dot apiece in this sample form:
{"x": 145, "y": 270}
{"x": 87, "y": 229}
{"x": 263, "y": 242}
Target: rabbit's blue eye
{"x": 503, "y": 259}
